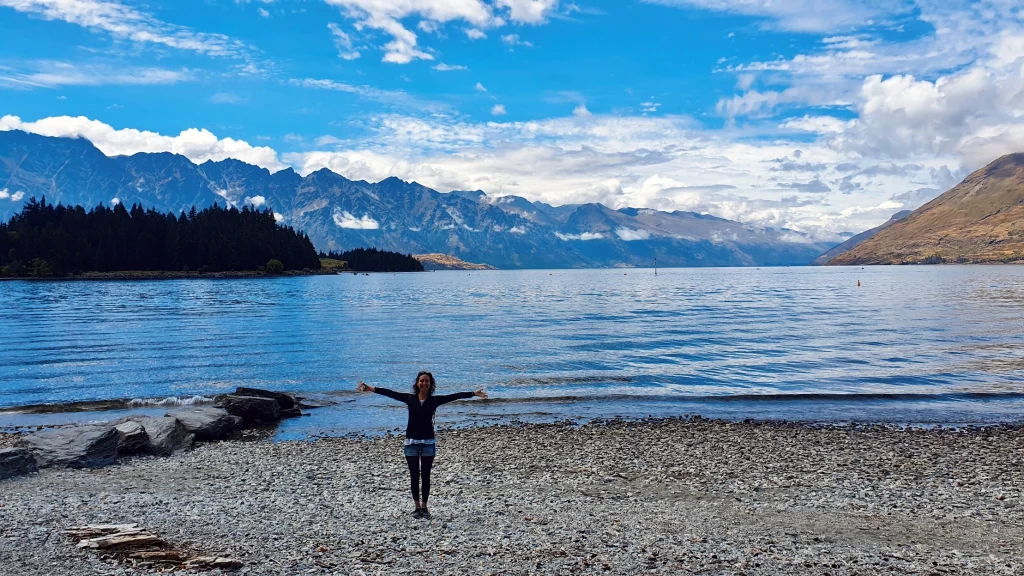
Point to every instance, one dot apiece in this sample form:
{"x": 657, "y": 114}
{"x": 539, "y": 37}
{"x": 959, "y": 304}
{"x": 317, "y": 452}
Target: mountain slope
{"x": 859, "y": 239}
{"x": 340, "y": 214}
{"x": 979, "y": 220}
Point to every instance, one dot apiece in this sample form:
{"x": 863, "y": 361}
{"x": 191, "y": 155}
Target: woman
{"x": 420, "y": 444}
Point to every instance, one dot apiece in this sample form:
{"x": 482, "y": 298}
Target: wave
{"x": 169, "y": 401}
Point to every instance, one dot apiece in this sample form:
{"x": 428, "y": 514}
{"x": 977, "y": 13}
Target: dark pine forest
{"x": 373, "y": 260}
{"x": 49, "y": 240}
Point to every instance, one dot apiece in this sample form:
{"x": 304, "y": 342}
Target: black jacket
{"x": 421, "y": 415}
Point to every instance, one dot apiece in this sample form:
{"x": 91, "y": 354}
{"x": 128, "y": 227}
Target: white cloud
{"x": 4, "y": 194}
{"x": 528, "y": 11}
{"x": 51, "y": 74}
{"x": 115, "y": 201}
{"x": 628, "y": 234}
{"x": 121, "y": 21}
{"x": 442, "y": 67}
{"x": 278, "y": 217}
{"x": 342, "y": 42}
{"x": 802, "y": 15}
{"x": 345, "y": 219}
{"x": 198, "y": 145}
{"x": 517, "y": 230}
{"x": 386, "y": 16}
{"x": 480, "y": 87}
{"x": 584, "y": 236}
{"x": 225, "y": 98}
{"x": 498, "y": 110}
{"x": 255, "y": 201}
{"x": 581, "y": 111}
{"x": 513, "y": 40}
{"x": 263, "y": 12}
{"x": 475, "y": 34}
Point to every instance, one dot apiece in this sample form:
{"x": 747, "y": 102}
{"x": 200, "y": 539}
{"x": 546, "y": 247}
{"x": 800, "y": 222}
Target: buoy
{"x": 858, "y": 283}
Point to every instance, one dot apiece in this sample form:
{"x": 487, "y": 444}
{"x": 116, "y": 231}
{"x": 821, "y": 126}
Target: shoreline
{"x": 657, "y": 496}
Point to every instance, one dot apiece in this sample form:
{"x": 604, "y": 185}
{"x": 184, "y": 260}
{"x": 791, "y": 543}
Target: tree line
{"x": 373, "y": 260}
{"x": 48, "y": 240}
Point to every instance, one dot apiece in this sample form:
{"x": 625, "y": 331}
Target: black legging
{"x": 416, "y": 470}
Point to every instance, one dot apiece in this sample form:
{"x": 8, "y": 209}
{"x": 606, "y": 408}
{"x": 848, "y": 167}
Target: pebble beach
{"x": 670, "y": 496}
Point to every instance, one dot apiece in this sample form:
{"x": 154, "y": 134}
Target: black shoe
{"x": 417, "y": 513}
{"x": 425, "y": 514}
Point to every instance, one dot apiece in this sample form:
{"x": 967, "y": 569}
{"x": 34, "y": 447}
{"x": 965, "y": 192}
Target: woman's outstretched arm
{"x": 400, "y": 396}
{"x": 446, "y": 398}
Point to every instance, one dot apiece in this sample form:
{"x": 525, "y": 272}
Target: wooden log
{"x": 173, "y": 556}
{"x": 95, "y": 530}
{"x": 119, "y": 540}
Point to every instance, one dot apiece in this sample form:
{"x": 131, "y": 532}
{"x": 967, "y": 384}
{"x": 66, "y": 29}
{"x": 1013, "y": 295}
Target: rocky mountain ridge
{"x": 980, "y": 220}
{"x": 338, "y": 213}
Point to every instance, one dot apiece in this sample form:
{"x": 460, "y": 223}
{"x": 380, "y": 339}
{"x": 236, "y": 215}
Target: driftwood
{"x": 135, "y": 545}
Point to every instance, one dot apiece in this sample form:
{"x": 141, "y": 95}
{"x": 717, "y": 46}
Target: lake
{"x": 930, "y": 344}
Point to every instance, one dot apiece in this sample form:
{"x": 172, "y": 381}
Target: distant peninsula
{"x": 448, "y": 262}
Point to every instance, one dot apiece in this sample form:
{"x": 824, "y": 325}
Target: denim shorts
{"x": 414, "y": 450}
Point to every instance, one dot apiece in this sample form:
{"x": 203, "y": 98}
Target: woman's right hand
{"x": 364, "y": 387}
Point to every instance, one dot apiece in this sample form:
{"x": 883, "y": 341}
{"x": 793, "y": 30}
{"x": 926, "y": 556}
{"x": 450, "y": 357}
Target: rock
{"x": 131, "y": 438}
{"x": 206, "y": 422}
{"x": 253, "y": 409}
{"x": 291, "y": 413}
{"x": 166, "y": 435}
{"x": 16, "y": 462}
{"x": 237, "y": 422}
{"x": 74, "y": 447}
{"x": 286, "y": 401}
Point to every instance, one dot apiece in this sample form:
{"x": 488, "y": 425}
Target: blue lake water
{"x": 938, "y": 344}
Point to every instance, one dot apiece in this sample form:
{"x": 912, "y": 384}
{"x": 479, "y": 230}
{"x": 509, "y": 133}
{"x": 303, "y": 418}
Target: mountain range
{"x": 339, "y": 214}
{"x": 980, "y": 220}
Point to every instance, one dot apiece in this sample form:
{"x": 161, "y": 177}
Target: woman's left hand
{"x": 480, "y": 394}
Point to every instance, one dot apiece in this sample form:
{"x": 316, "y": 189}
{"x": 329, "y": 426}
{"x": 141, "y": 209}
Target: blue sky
{"x": 823, "y": 116}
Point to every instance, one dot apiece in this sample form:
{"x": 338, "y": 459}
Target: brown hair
{"x": 433, "y": 383}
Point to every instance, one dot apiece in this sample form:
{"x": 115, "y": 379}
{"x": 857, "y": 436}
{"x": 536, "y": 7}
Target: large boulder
{"x": 131, "y": 438}
{"x": 16, "y": 462}
{"x": 74, "y": 447}
{"x": 166, "y": 435}
{"x": 253, "y": 409}
{"x": 206, "y": 422}
{"x": 286, "y": 401}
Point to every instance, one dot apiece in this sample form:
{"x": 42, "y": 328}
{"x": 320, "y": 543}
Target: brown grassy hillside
{"x": 979, "y": 220}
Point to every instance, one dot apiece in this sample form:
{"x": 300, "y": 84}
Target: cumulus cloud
{"x": 583, "y": 237}
{"x": 475, "y": 34}
{"x": 517, "y": 230}
{"x": 480, "y": 87}
{"x": 124, "y": 22}
{"x": 498, "y": 110}
{"x": 255, "y": 201}
{"x": 345, "y": 219}
{"x": 198, "y": 145}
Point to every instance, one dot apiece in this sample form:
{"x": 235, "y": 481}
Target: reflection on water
{"x": 920, "y": 340}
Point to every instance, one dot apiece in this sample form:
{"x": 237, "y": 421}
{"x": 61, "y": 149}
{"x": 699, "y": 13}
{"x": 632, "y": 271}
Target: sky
{"x": 824, "y": 116}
